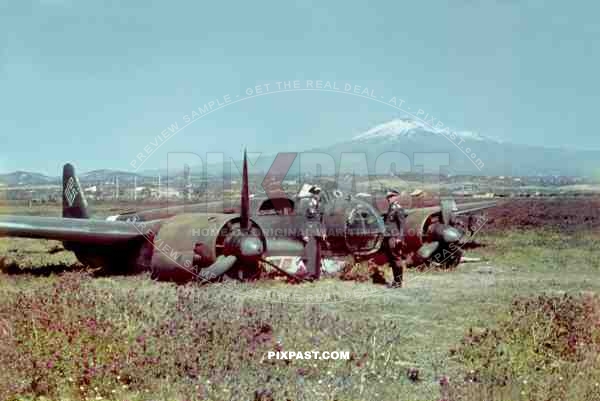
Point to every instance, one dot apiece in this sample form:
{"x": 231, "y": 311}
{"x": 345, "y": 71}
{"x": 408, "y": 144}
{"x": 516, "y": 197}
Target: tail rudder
{"x": 74, "y": 203}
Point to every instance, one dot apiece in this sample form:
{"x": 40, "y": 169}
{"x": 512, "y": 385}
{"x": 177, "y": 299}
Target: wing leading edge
{"x": 466, "y": 208}
{"x": 461, "y": 208}
{"x": 69, "y": 229}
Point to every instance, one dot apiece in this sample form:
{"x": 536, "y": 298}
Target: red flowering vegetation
{"x": 75, "y": 337}
{"x": 546, "y": 348}
{"x": 73, "y": 340}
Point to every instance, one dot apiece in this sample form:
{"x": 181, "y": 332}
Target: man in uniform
{"x": 394, "y": 222}
{"x": 313, "y": 235}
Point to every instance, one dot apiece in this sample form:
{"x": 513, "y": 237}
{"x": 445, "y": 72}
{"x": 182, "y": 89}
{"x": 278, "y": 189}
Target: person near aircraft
{"x": 394, "y": 222}
{"x": 313, "y": 234}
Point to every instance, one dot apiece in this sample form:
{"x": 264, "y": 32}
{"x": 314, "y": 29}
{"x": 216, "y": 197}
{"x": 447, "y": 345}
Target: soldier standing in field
{"x": 394, "y": 222}
{"x": 313, "y": 235}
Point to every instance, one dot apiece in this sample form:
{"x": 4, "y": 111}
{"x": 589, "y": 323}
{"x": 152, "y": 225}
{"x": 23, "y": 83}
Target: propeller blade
{"x": 221, "y": 266}
{"x": 245, "y": 201}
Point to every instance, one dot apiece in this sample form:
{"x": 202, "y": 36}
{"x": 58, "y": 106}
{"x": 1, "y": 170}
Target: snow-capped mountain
{"x": 468, "y": 152}
{"x": 407, "y": 128}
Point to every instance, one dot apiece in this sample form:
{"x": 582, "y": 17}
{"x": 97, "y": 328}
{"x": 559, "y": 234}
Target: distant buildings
{"x": 487, "y": 195}
{"x": 167, "y": 193}
{"x": 212, "y": 188}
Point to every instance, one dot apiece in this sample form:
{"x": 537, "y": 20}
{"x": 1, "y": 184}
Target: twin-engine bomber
{"x": 182, "y": 247}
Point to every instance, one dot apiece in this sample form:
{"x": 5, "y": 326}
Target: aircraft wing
{"x": 461, "y": 208}
{"x": 466, "y": 208}
{"x": 69, "y": 229}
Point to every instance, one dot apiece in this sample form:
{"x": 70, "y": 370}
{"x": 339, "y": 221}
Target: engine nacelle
{"x": 416, "y": 227}
{"x": 427, "y": 231}
{"x": 187, "y": 243}
{"x": 425, "y": 226}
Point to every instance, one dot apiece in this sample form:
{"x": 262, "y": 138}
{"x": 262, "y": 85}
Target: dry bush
{"x": 546, "y": 348}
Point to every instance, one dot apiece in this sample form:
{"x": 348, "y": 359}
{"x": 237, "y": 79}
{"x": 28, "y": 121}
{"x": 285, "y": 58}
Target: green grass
{"x": 388, "y": 331}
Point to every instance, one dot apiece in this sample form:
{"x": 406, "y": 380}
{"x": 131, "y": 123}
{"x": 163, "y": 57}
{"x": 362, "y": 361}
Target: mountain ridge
{"x": 472, "y": 154}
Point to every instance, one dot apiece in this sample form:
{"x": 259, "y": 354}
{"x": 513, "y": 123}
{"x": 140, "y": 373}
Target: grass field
{"x": 74, "y": 336}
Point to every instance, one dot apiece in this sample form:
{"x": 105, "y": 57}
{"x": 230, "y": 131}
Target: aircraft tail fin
{"x": 74, "y": 203}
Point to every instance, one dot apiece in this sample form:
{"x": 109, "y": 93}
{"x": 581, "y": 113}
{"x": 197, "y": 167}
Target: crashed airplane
{"x": 312, "y": 225}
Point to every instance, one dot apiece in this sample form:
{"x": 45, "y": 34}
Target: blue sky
{"x": 94, "y": 84}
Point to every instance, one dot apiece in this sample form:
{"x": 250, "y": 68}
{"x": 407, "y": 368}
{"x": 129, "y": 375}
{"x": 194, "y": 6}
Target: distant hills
{"x": 26, "y": 178}
{"x": 104, "y": 175}
{"x": 469, "y": 154}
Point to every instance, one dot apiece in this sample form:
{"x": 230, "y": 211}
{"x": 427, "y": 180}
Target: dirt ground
{"x": 569, "y": 214}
